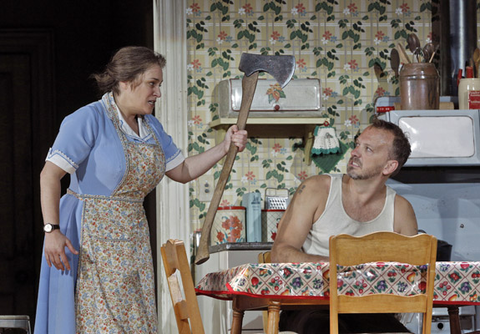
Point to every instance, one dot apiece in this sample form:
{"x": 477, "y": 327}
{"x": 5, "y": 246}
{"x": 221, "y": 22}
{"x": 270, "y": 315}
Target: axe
{"x": 281, "y": 68}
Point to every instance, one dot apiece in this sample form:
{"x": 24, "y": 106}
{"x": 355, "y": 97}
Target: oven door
{"x": 440, "y": 137}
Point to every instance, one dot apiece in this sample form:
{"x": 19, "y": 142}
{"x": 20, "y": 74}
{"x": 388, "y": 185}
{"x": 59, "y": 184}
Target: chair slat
{"x": 347, "y": 250}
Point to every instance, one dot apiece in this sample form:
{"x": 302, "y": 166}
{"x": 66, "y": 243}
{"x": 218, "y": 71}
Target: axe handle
{"x": 248, "y": 91}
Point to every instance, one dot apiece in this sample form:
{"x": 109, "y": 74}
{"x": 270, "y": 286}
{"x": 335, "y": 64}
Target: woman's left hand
{"x": 238, "y": 137}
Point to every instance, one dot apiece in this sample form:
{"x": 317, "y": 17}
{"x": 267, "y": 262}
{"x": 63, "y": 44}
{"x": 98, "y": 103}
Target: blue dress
{"x": 110, "y": 288}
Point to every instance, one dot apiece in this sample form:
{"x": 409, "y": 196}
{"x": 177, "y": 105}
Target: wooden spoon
{"x": 428, "y": 50}
{"x": 476, "y": 61}
{"x": 413, "y": 44}
{"x": 403, "y": 55}
{"x": 395, "y": 61}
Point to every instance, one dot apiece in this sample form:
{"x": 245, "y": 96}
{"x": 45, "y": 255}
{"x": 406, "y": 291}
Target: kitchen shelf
{"x": 275, "y": 128}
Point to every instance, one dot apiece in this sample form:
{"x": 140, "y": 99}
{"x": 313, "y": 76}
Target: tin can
{"x": 419, "y": 86}
{"x": 468, "y": 88}
{"x": 270, "y": 220}
{"x": 228, "y": 226}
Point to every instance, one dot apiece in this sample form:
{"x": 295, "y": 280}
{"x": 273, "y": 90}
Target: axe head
{"x": 280, "y": 67}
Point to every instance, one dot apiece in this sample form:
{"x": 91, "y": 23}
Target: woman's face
{"x": 138, "y": 98}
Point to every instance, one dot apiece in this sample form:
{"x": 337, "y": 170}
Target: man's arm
{"x": 306, "y": 206}
{"x": 405, "y": 221}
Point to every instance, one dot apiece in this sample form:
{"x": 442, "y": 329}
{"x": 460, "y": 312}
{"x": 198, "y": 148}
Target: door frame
{"x": 173, "y": 213}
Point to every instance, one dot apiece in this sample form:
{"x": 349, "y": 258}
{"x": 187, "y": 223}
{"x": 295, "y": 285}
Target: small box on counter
{"x": 253, "y": 206}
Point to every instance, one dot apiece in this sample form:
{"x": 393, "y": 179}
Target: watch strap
{"x": 50, "y": 227}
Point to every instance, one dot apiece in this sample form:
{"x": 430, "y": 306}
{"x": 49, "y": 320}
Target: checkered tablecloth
{"x": 455, "y": 282}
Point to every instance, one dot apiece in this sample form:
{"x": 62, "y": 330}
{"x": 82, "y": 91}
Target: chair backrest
{"x": 185, "y": 305}
{"x": 347, "y": 250}
{"x": 265, "y": 257}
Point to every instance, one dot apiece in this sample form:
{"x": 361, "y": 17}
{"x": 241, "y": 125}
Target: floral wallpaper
{"x": 346, "y": 44}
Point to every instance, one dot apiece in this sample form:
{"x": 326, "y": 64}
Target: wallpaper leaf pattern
{"x": 344, "y": 43}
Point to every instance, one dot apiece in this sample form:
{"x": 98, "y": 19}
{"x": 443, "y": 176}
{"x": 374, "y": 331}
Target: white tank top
{"x": 334, "y": 220}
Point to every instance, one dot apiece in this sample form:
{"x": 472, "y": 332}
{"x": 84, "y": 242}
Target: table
{"x": 276, "y": 286}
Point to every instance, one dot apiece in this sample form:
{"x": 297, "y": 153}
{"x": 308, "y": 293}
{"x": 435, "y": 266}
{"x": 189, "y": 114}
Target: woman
{"x": 96, "y": 235}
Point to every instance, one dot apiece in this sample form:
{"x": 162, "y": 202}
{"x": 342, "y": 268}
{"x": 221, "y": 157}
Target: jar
{"x": 228, "y": 226}
{"x": 466, "y": 88}
{"x": 419, "y": 86}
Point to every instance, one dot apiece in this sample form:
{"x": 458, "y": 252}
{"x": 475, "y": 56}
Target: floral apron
{"x": 115, "y": 291}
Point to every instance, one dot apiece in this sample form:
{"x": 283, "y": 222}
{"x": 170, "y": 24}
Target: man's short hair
{"x": 401, "y": 149}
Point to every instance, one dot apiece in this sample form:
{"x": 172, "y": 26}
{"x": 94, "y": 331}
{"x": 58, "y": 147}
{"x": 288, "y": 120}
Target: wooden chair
{"x": 187, "y": 312}
{"x": 265, "y": 257}
{"x": 346, "y": 250}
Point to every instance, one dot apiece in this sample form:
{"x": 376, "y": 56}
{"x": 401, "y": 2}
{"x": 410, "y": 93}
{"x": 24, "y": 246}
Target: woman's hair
{"x": 127, "y": 64}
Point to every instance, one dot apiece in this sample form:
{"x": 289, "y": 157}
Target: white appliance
{"x": 437, "y": 137}
{"x": 441, "y": 180}
{"x": 217, "y": 314}
{"x": 440, "y": 320}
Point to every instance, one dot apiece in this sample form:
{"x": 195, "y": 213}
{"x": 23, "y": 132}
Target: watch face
{"x": 49, "y": 227}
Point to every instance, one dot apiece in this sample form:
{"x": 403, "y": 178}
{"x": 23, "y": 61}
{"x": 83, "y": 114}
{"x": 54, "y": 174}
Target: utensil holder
{"x": 419, "y": 86}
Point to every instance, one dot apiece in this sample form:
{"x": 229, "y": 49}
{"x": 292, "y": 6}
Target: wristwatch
{"x": 50, "y": 227}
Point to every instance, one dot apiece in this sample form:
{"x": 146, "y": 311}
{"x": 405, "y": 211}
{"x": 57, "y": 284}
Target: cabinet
{"x": 275, "y": 128}
{"x": 293, "y": 111}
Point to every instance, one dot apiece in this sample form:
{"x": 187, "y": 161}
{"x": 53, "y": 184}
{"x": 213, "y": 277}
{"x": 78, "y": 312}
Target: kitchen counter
{"x": 241, "y": 246}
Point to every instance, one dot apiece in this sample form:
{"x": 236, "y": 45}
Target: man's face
{"x": 370, "y": 155}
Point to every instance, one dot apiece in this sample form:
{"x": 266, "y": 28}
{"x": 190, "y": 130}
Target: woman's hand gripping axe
{"x": 282, "y": 69}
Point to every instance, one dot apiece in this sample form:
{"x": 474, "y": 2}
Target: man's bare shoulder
{"x": 314, "y": 186}
{"x": 405, "y": 221}
{"x": 401, "y": 203}
{"x": 318, "y": 182}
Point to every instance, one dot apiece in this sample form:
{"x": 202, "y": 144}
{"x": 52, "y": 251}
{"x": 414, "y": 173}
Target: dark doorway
{"x": 26, "y": 83}
{"x": 47, "y": 52}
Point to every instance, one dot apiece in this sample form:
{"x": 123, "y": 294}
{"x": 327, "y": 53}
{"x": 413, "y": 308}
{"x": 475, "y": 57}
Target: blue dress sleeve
{"x": 173, "y": 155}
{"x": 75, "y": 139}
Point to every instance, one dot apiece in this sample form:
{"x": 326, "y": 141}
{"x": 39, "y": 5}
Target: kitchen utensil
{"x": 413, "y": 44}
{"x": 428, "y": 50}
{"x": 276, "y": 201}
{"x": 469, "y": 72}
{"x": 282, "y": 69}
{"x": 395, "y": 61}
{"x": 459, "y": 76}
{"x": 476, "y": 61}
{"x": 404, "y": 58}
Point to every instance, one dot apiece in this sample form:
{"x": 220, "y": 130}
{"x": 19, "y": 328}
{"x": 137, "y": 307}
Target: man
{"x": 356, "y": 203}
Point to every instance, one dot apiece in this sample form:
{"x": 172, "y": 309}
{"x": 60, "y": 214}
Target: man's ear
{"x": 390, "y": 167}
